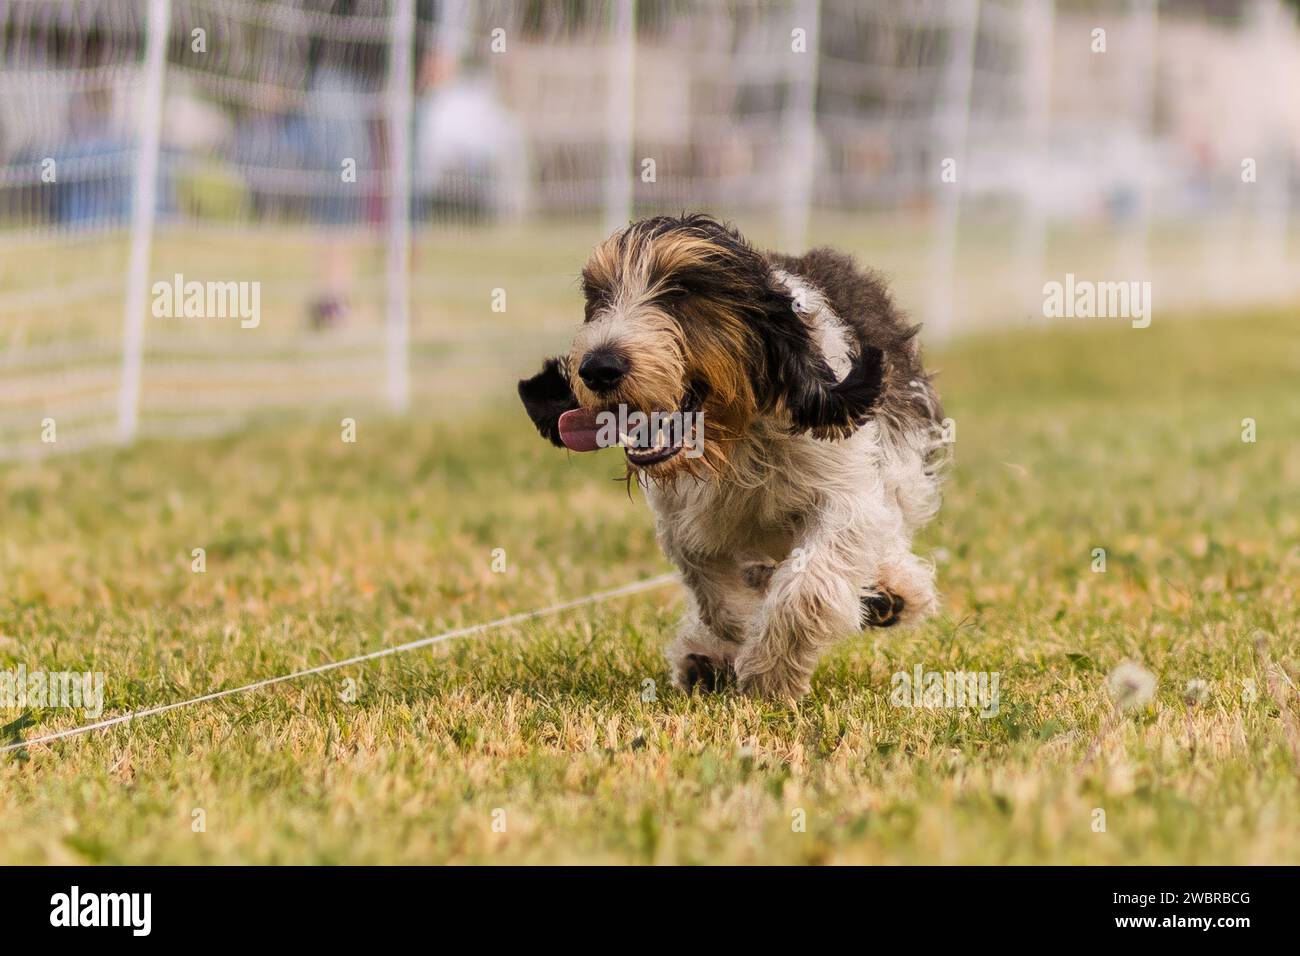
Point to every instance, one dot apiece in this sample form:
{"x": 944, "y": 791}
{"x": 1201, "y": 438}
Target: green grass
{"x": 1081, "y": 437}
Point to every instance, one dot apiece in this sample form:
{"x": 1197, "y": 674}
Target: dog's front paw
{"x": 699, "y": 672}
{"x": 776, "y": 683}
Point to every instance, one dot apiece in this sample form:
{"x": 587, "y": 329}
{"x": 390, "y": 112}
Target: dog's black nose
{"x": 602, "y": 370}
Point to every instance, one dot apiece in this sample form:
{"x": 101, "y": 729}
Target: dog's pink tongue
{"x": 578, "y": 430}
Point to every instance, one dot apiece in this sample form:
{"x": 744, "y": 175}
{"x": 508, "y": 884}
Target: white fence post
{"x": 1036, "y": 44}
{"x": 1271, "y": 210}
{"x": 620, "y": 105}
{"x": 143, "y": 207}
{"x": 800, "y": 129}
{"x": 954, "y": 111}
{"x": 1143, "y": 35}
{"x": 401, "y": 80}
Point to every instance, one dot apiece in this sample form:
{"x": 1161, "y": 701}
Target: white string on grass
{"x": 475, "y": 629}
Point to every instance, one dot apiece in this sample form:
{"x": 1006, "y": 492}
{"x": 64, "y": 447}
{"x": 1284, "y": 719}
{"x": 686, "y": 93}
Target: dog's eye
{"x": 597, "y": 299}
{"x": 673, "y": 295}
{"x": 596, "y": 294}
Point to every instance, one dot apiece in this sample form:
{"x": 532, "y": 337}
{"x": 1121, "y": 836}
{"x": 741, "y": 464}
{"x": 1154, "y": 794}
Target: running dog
{"x": 815, "y": 453}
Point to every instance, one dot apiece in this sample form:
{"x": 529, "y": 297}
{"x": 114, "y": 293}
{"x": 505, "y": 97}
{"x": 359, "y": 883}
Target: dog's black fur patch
{"x": 887, "y": 349}
{"x": 547, "y": 396}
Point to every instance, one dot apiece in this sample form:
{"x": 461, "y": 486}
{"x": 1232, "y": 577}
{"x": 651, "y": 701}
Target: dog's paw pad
{"x": 881, "y": 609}
{"x": 703, "y": 673}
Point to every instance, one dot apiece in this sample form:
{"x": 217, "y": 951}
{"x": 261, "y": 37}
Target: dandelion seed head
{"x": 1196, "y": 692}
{"x": 1131, "y": 686}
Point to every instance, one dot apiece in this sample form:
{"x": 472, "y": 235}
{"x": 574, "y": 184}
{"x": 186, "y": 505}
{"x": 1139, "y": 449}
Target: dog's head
{"x": 685, "y": 319}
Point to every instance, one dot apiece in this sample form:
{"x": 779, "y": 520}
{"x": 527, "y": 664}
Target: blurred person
{"x": 193, "y": 178}
{"x": 343, "y": 76}
{"x": 270, "y": 143}
{"x": 36, "y": 95}
{"x": 49, "y": 112}
{"x": 98, "y": 161}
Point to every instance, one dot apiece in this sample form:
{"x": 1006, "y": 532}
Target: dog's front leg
{"x": 813, "y": 598}
{"x": 699, "y": 659}
{"x": 721, "y": 605}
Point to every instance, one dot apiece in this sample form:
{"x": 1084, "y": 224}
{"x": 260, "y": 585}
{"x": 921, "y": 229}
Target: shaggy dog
{"x": 819, "y": 457}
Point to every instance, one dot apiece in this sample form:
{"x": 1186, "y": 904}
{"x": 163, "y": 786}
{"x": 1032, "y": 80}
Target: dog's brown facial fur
{"x": 684, "y": 315}
{"x": 683, "y": 343}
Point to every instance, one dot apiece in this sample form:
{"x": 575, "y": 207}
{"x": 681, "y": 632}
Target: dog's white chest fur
{"x": 766, "y": 498}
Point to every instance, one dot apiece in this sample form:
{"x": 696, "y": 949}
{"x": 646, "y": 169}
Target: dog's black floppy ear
{"x": 820, "y": 404}
{"x": 828, "y": 402}
{"x": 547, "y": 396}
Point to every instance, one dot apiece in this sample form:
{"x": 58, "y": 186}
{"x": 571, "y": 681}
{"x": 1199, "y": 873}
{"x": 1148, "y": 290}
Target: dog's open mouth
{"x": 647, "y": 440}
{"x": 667, "y": 444}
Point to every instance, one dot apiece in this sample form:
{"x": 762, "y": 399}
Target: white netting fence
{"x": 212, "y": 210}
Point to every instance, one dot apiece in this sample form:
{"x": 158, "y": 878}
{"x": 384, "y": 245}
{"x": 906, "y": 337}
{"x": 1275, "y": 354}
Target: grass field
{"x": 1068, "y": 440}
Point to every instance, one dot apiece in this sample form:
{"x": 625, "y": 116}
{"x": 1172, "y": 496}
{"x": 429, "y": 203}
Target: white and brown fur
{"x": 821, "y": 448}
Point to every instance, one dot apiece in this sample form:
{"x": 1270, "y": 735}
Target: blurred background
{"x": 414, "y": 185}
